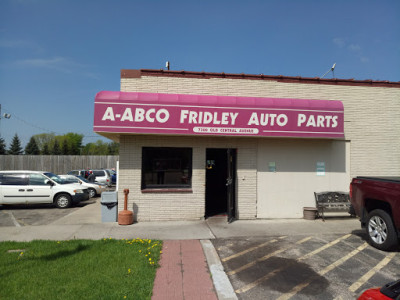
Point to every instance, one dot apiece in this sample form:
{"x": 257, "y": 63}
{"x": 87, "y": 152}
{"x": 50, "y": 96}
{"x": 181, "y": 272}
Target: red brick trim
{"x": 278, "y": 78}
{"x": 131, "y": 73}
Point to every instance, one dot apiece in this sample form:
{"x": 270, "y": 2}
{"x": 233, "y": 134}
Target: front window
{"x": 37, "y": 179}
{"x": 83, "y": 179}
{"x": 54, "y": 177}
{"x": 164, "y": 167}
{"x": 70, "y": 179}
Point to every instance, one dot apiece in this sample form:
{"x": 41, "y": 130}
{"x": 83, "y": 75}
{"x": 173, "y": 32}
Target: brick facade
{"x": 372, "y": 127}
{"x": 186, "y": 205}
{"x": 372, "y": 114}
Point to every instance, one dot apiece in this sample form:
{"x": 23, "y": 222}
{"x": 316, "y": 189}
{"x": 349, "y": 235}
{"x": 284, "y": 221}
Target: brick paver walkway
{"x": 183, "y": 273}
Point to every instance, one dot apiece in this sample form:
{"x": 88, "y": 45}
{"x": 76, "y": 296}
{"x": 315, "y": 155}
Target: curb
{"x": 221, "y": 282}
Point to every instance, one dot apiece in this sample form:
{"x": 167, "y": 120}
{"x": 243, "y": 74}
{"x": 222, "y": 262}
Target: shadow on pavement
{"x": 43, "y": 206}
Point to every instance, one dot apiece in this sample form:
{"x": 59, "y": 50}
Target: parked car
{"x": 29, "y": 187}
{"x": 94, "y": 188}
{"x": 376, "y": 201}
{"x": 102, "y": 176}
{"x": 83, "y": 173}
{"x": 113, "y": 176}
{"x": 390, "y": 291}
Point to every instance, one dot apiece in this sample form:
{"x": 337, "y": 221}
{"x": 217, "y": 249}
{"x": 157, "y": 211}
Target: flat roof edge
{"x": 127, "y": 73}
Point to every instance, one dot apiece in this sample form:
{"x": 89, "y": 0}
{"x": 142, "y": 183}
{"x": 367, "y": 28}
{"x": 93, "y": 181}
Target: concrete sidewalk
{"x": 179, "y": 230}
{"x": 86, "y": 223}
{"x": 188, "y": 255}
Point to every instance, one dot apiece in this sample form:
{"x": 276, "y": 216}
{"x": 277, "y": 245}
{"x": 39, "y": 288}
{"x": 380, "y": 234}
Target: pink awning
{"x": 153, "y": 113}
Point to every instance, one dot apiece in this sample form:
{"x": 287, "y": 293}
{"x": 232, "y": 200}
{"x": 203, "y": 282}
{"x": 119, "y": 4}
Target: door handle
{"x": 228, "y": 181}
{"x": 21, "y": 190}
{"x": 30, "y": 190}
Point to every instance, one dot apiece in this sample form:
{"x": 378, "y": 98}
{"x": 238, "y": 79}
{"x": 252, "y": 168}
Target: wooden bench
{"x": 332, "y": 202}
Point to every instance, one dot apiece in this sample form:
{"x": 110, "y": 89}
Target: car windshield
{"x": 83, "y": 179}
{"x": 70, "y": 179}
{"x": 55, "y": 177}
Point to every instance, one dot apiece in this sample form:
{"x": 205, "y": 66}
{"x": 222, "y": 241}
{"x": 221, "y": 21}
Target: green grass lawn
{"x": 78, "y": 269}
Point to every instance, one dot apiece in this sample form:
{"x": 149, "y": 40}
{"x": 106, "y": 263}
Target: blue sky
{"x": 55, "y": 55}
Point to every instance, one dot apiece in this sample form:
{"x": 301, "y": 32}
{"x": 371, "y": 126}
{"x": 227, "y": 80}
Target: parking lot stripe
{"x": 325, "y": 270}
{"x": 308, "y": 255}
{"x": 251, "y": 249}
{"x": 266, "y": 277}
{"x": 264, "y": 258}
{"x": 14, "y": 220}
{"x": 303, "y": 240}
{"x": 258, "y": 281}
{"x": 356, "y": 285}
{"x": 325, "y": 247}
{"x": 343, "y": 259}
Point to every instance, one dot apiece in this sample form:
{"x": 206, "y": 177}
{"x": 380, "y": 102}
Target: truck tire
{"x": 380, "y": 230}
{"x": 63, "y": 201}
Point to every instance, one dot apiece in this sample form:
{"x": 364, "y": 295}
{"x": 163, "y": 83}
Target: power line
{"x": 85, "y": 135}
{"x": 31, "y": 124}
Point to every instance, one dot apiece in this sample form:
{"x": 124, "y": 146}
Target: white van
{"x": 29, "y": 187}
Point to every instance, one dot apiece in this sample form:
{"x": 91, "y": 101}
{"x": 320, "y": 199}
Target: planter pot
{"x": 125, "y": 217}
{"x": 310, "y": 213}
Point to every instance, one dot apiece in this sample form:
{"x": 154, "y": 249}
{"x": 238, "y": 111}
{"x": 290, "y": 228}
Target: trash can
{"x": 109, "y": 207}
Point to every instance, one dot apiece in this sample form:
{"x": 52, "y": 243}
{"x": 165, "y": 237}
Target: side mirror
{"x": 49, "y": 182}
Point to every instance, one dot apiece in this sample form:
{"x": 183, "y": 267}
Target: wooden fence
{"x": 58, "y": 164}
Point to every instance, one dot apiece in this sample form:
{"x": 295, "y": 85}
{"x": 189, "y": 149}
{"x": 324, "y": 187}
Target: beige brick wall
{"x": 372, "y": 114}
{"x": 184, "y": 206}
{"x": 372, "y": 128}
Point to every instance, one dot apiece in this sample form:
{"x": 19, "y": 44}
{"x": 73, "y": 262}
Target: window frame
{"x": 23, "y": 177}
{"x": 99, "y": 173}
{"x": 170, "y": 165}
{"x": 32, "y": 178}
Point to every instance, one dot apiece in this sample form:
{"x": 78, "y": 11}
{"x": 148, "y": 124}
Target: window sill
{"x": 170, "y": 190}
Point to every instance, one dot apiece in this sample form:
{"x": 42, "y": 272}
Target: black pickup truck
{"x": 376, "y": 201}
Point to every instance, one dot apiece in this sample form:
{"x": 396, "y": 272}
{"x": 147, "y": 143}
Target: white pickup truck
{"x": 30, "y": 187}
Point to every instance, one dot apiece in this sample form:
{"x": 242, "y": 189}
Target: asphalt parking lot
{"x": 334, "y": 266}
{"x": 262, "y": 259}
{"x": 37, "y": 214}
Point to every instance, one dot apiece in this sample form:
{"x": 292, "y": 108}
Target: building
{"x": 196, "y": 144}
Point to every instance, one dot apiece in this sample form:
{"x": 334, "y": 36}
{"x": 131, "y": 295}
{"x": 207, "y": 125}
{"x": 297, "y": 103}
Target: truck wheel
{"x": 63, "y": 201}
{"x": 380, "y": 230}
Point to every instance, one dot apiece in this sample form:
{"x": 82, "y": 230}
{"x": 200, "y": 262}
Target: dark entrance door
{"x": 230, "y": 184}
{"x": 220, "y": 182}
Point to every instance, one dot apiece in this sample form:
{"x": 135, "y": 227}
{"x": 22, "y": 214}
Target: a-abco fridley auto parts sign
{"x": 151, "y": 113}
